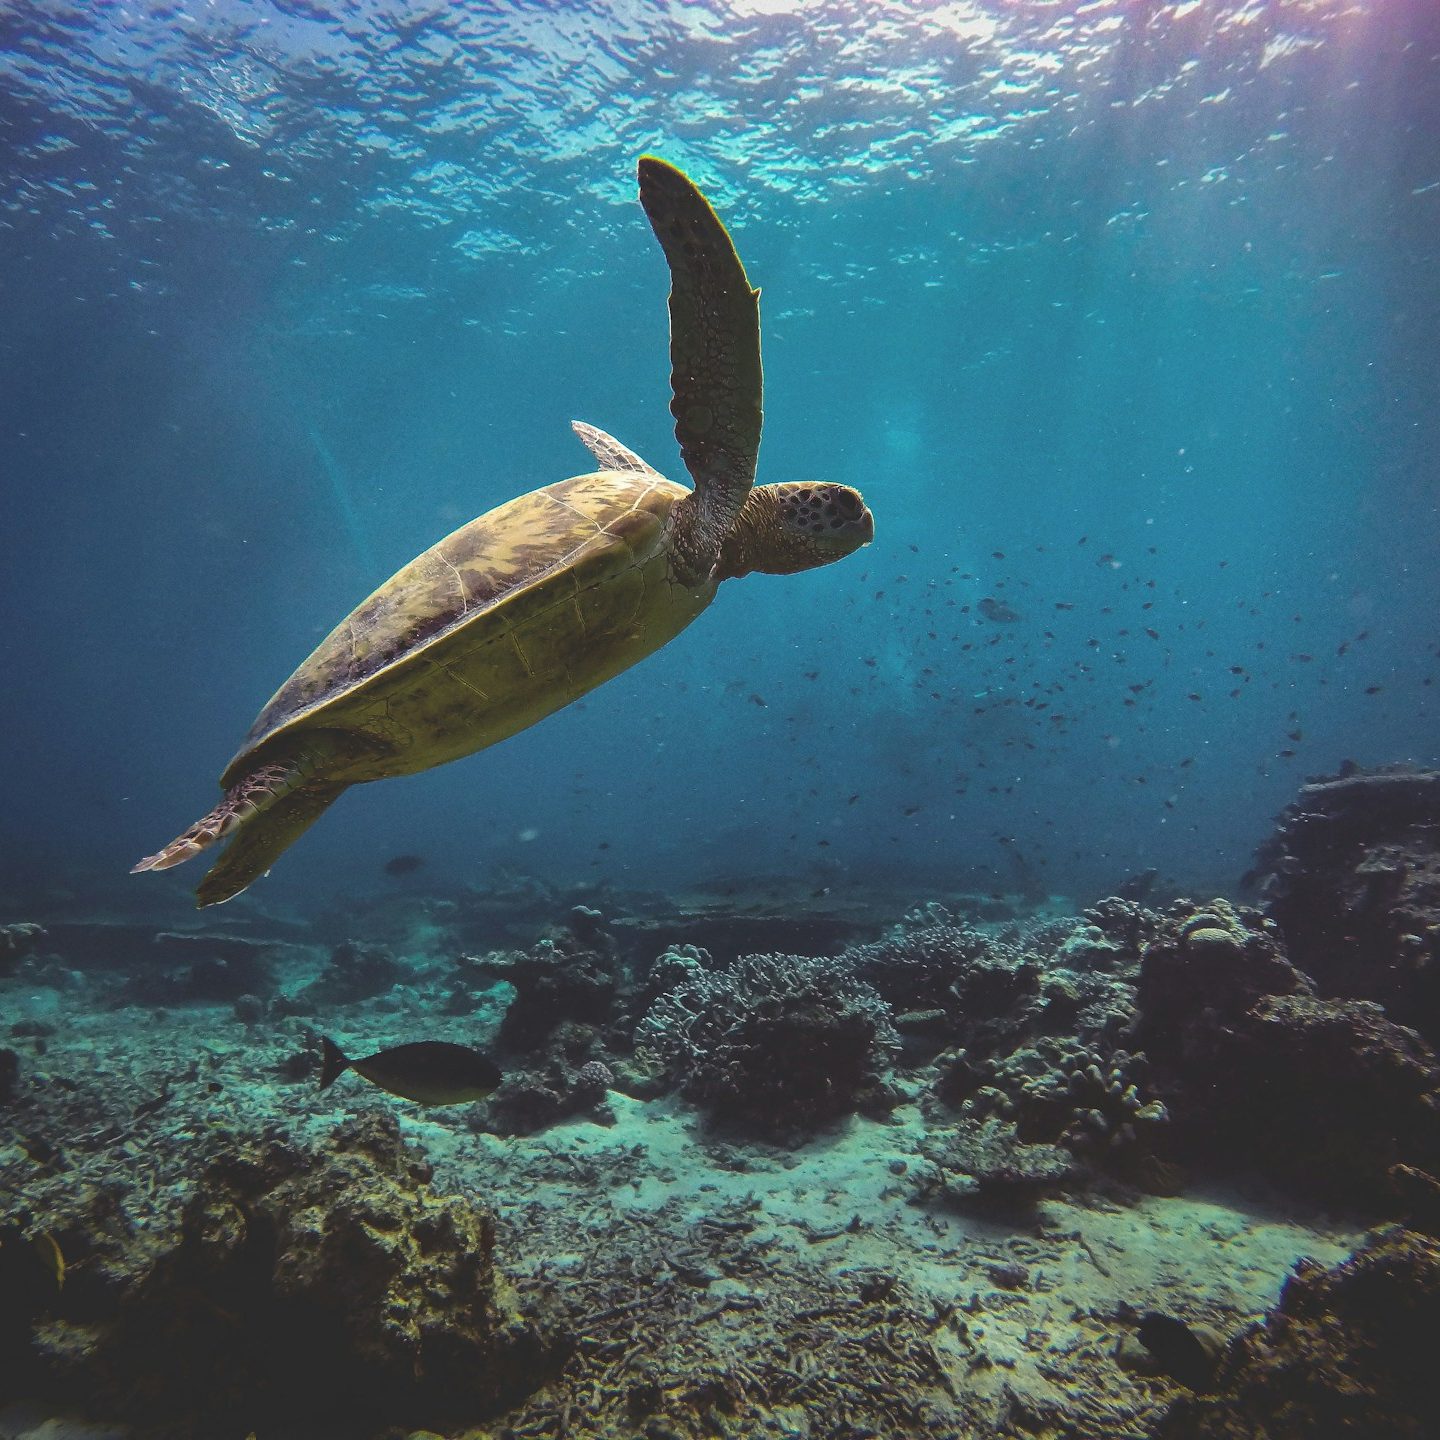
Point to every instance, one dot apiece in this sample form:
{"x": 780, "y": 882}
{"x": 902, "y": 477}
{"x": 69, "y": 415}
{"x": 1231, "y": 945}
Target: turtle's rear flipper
{"x": 262, "y": 840}
{"x": 259, "y": 790}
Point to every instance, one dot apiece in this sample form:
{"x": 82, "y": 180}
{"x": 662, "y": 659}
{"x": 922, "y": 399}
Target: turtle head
{"x": 796, "y": 526}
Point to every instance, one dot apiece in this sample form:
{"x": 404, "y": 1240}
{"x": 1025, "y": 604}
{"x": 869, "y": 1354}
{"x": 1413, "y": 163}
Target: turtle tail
{"x": 259, "y": 790}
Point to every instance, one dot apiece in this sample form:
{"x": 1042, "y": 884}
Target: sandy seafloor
{"x": 679, "y": 1252}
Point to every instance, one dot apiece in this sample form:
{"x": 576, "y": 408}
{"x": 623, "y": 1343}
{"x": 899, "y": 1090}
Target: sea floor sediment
{"x": 778, "y": 1291}
{"x": 964, "y": 1242}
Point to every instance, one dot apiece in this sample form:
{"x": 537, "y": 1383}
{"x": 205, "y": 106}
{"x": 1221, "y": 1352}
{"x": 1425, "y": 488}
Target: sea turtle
{"x": 547, "y": 596}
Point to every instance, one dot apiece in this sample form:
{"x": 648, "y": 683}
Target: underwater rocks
{"x": 353, "y": 972}
{"x": 187, "y": 968}
{"x": 320, "y": 1285}
{"x": 775, "y": 1045}
{"x": 1205, "y": 967}
{"x": 748, "y": 925}
{"x": 1256, "y": 1069}
{"x": 1163, "y": 1344}
{"x": 565, "y": 1083}
{"x": 1348, "y": 1351}
{"x": 16, "y": 942}
{"x": 555, "y": 980}
{"x": 1352, "y": 877}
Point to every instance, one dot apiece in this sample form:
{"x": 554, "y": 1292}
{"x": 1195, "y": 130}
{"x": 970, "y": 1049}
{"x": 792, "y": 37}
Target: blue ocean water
{"x": 1123, "y": 316}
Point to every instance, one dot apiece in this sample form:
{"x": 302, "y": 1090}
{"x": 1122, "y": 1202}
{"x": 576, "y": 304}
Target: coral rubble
{"x": 988, "y": 1166}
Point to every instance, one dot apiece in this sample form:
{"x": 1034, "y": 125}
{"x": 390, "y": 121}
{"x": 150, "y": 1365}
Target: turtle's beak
{"x": 856, "y": 520}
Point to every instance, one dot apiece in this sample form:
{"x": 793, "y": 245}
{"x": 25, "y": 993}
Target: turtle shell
{"x": 510, "y": 617}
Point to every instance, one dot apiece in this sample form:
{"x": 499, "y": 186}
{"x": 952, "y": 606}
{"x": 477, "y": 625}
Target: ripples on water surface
{"x": 314, "y": 124}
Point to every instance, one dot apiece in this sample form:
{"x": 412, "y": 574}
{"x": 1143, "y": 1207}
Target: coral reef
{"x": 226, "y": 1246}
{"x": 1347, "y": 1351}
{"x": 1352, "y": 877}
{"x": 916, "y": 967}
{"x": 996, "y": 987}
{"x": 1041, "y": 1013}
{"x": 775, "y": 1044}
{"x": 1098, "y": 1100}
{"x": 1257, "y": 1070}
{"x": 319, "y": 1285}
{"x": 1207, "y": 964}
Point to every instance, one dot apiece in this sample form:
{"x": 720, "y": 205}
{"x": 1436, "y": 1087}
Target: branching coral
{"x": 915, "y": 969}
{"x": 1061, "y": 1091}
{"x": 774, "y": 1043}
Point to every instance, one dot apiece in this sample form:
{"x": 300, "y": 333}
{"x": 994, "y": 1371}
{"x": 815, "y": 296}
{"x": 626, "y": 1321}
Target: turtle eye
{"x": 849, "y": 504}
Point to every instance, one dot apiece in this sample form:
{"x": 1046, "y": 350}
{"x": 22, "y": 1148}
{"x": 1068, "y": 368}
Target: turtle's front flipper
{"x": 715, "y": 372}
{"x": 255, "y": 849}
{"x": 258, "y": 791}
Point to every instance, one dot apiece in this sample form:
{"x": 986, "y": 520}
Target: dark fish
{"x": 430, "y": 1072}
{"x": 1138, "y": 886}
{"x": 404, "y": 864}
{"x": 997, "y": 610}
